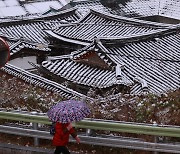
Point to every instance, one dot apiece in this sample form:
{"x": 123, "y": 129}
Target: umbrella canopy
{"x": 68, "y": 111}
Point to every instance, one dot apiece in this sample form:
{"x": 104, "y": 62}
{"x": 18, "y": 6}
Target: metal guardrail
{"x": 155, "y": 130}
{"x": 95, "y": 124}
{"x": 98, "y": 140}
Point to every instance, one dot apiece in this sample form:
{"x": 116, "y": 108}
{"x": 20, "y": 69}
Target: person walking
{"x": 63, "y": 113}
{"x": 61, "y": 137}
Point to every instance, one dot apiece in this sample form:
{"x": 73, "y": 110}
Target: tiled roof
{"x": 64, "y": 67}
{"x": 16, "y": 45}
{"x": 84, "y": 74}
{"x": 151, "y": 59}
{"x": 84, "y": 6}
{"x": 32, "y": 29}
{"x": 136, "y": 8}
{"x": 154, "y": 57}
{"x": 51, "y": 85}
{"x": 22, "y": 8}
{"x": 133, "y": 8}
{"x": 40, "y": 81}
{"x": 97, "y": 24}
{"x": 168, "y": 8}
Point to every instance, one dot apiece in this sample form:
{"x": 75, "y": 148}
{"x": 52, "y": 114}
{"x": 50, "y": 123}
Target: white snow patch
{"x": 2, "y": 4}
{"x": 11, "y": 2}
{"x": 13, "y": 11}
{"x": 40, "y": 7}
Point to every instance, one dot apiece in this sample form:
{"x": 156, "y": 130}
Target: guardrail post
{"x": 36, "y": 140}
{"x": 90, "y": 132}
{"x": 155, "y": 137}
{"x": 35, "y": 126}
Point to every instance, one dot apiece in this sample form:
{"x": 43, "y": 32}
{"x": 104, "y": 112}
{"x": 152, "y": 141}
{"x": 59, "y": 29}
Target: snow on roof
{"x": 40, "y": 81}
{"x": 40, "y": 7}
{"x": 154, "y": 59}
{"x": 32, "y": 9}
{"x": 20, "y": 8}
{"x": 32, "y": 29}
{"x": 84, "y": 74}
{"x": 141, "y": 7}
{"x": 167, "y": 8}
{"x": 84, "y": 6}
{"x": 98, "y": 24}
{"x": 11, "y": 2}
{"x": 63, "y": 2}
{"x": 2, "y": 4}
{"x": 134, "y": 8}
{"x": 12, "y": 11}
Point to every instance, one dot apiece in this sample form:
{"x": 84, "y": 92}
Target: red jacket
{"x": 61, "y": 137}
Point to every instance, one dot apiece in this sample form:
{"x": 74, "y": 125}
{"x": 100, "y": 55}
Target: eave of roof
{"x": 134, "y": 8}
{"x": 40, "y": 81}
{"x": 51, "y": 33}
{"x": 32, "y": 29}
{"x": 85, "y": 29}
{"x": 153, "y": 57}
{"x": 128, "y": 19}
{"x": 84, "y": 74}
{"x": 29, "y": 19}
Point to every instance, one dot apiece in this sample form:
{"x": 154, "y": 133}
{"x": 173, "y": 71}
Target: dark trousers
{"x": 61, "y": 149}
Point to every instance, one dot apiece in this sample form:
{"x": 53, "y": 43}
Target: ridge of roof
{"x": 128, "y": 19}
{"x": 137, "y": 8}
{"x": 51, "y": 33}
{"x": 140, "y": 37}
{"x": 39, "y": 18}
{"x": 40, "y": 81}
{"x": 117, "y": 17}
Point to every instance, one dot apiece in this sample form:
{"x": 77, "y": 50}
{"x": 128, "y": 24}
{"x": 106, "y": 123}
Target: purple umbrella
{"x": 68, "y": 111}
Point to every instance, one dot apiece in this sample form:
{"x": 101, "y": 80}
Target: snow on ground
{"x": 16, "y": 94}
